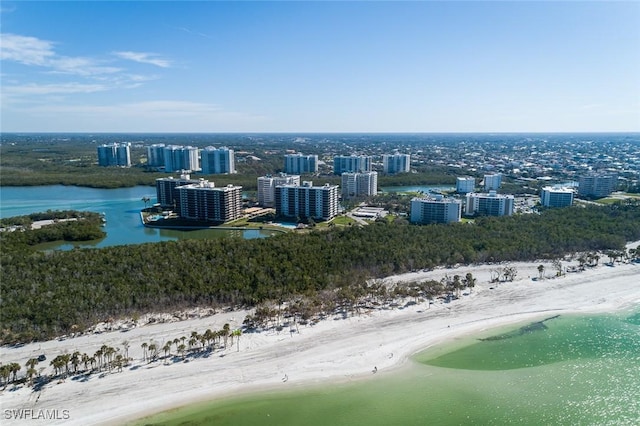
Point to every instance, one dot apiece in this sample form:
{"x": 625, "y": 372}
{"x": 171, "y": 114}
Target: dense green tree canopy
{"x": 45, "y": 294}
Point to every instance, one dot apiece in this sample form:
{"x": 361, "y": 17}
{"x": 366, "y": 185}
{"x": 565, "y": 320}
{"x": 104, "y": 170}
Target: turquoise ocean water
{"x": 565, "y": 370}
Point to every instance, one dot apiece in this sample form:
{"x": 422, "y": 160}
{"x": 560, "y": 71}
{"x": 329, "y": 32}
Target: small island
{"x": 50, "y": 226}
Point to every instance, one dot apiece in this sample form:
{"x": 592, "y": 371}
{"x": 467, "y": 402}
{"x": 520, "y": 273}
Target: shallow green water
{"x": 566, "y": 370}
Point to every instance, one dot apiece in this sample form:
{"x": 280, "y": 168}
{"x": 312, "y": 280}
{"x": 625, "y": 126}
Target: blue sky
{"x": 210, "y": 66}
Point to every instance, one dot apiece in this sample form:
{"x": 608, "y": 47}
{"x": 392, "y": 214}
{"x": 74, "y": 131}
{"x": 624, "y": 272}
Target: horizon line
{"x": 519, "y": 132}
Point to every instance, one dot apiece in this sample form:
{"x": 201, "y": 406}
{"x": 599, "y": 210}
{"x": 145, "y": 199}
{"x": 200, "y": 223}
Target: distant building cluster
{"x": 202, "y": 200}
{"x": 115, "y": 154}
{"x": 172, "y": 158}
{"x": 592, "y": 185}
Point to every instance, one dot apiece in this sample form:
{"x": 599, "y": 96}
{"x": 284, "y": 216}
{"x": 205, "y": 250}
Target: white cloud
{"x": 48, "y": 89}
{"x": 80, "y": 66}
{"x": 56, "y": 77}
{"x": 36, "y": 52}
{"x": 145, "y": 58}
{"x": 26, "y": 50}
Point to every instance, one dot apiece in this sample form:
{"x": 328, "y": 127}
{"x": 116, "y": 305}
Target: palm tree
{"x": 57, "y": 364}
{"x": 181, "y": 350}
{"x": 167, "y": 349}
{"x": 144, "y": 347}
{"x": 225, "y": 330}
{"x": 118, "y": 362}
{"x": 5, "y": 372}
{"x": 456, "y": 284}
{"x": 104, "y": 349}
{"x": 65, "y": 359}
{"x": 195, "y": 337}
{"x": 470, "y": 281}
{"x": 31, "y": 370}
{"x": 14, "y": 367}
{"x": 108, "y": 353}
{"x": 540, "y": 270}
{"x": 209, "y": 336}
{"x": 98, "y": 356}
{"x": 85, "y": 360}
{"x": 75, "y": 361}
{"x": 237, "y": 333}
{"x": 32, "y": 362}
{"x": 125, "y": 345}
{"x": 153, "y": 351}
{"x": 30, "y": 373}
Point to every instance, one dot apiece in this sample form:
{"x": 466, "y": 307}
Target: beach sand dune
{"x": 330, "y": 351}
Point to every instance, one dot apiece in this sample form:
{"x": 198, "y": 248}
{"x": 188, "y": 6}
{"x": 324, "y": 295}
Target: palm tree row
{"x": 195, "y": 343}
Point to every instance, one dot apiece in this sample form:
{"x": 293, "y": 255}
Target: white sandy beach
{"x": 330, "y": 351}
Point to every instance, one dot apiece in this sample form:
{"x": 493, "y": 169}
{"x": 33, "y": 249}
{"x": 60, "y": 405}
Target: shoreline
{"x": 332, "y": 351}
